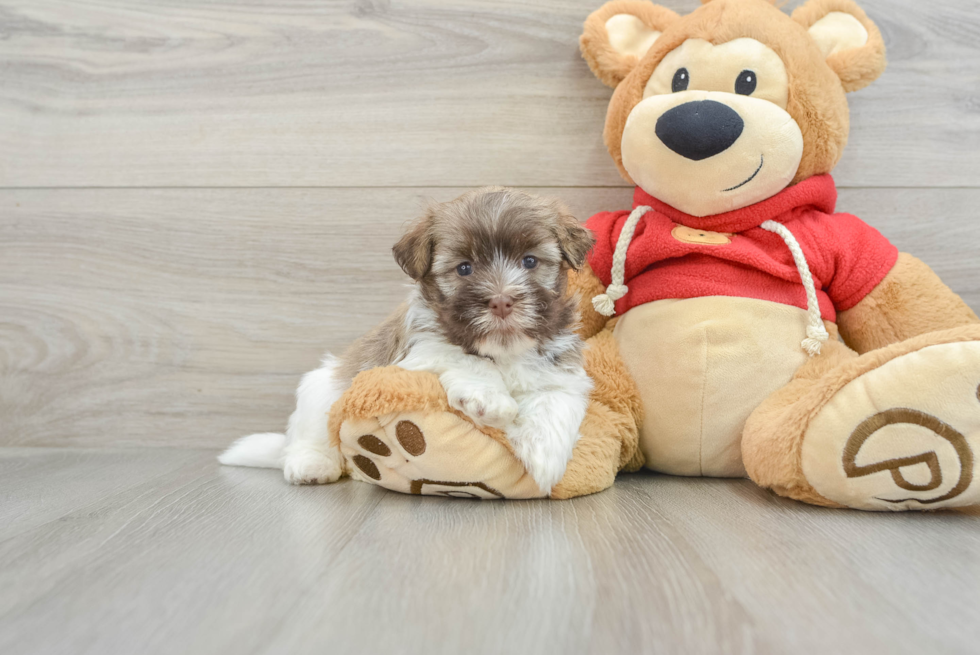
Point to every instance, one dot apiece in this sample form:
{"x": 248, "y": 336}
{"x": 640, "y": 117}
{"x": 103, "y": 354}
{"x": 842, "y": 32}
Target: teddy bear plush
{"x": 737, "y": 325}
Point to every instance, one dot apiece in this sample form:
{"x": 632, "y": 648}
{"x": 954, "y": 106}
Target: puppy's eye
{"x": 682, "y": 79}
{"x": 529, "y": 261}
{"x": 464, "y": 269}
{"x": 746, "y": 83}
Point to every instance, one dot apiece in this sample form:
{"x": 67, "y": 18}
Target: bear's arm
{"x": 584, "y": 285}
{"x": 910, "y": 300}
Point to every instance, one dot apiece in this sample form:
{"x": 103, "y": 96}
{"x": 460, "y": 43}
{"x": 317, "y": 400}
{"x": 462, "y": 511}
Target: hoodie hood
{"x": 818, "y": 192}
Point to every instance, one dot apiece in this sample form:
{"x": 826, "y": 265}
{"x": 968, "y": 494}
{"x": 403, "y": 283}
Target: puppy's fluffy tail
{"x": 263, "y": 450}
{"x": 318, "y": 390}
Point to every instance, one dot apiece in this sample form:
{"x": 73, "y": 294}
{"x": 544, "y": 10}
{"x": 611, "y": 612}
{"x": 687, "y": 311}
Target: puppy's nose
{"x": 502, "y": 306}
{"x": 700, "y": 129}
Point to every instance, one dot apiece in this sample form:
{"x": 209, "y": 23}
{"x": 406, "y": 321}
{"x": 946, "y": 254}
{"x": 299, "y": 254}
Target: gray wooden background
{"x": 197, "y": 198}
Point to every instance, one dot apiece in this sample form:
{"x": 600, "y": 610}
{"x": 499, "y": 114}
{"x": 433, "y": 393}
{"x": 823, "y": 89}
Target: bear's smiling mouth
{"x": 762, "y": 162}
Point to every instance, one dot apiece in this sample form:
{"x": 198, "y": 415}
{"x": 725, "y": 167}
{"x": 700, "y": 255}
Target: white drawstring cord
{"x": 605, "y": 303}
{"x": 816, "y": 333}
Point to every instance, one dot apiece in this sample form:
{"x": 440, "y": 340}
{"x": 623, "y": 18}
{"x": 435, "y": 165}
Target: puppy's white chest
{"x": 525, "y": 375}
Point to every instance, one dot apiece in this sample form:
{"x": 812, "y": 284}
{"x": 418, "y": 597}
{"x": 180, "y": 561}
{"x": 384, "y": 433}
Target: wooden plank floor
{"x": 198, "y": 198}
{"x": 160, "y": 551}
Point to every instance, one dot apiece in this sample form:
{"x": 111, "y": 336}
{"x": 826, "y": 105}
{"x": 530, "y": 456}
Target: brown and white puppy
{"x": 488, "y": 314}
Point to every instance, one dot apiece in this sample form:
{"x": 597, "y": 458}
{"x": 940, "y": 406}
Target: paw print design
{"x": 433, "y": 454}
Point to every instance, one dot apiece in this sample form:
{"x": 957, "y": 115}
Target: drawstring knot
{"x": 605, "y": 303}
{"x": 816, "y": 336}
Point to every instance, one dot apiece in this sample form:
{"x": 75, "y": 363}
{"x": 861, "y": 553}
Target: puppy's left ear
{"x": 574, "y": 241}
{"x": 414, "y": 251}
{"x": 851, "y": 43}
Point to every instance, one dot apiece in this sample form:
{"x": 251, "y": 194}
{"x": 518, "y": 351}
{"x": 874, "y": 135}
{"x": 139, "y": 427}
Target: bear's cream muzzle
{"x": 707, "y": 152}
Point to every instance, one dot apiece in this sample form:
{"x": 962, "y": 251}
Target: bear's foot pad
{"x": 905, "y": 435}
{"x": 434, "y": 454}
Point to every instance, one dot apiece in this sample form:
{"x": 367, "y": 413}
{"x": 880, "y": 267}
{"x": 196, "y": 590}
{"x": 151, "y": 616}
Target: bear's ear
{"x": 618, "y": 34}
{"x": 848, "y": 39}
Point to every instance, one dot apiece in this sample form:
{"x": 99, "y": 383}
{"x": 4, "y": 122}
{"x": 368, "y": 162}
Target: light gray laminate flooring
{"x": 161, "y": 551}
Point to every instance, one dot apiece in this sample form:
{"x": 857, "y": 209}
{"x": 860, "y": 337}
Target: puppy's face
{"x": 493, "y": 265}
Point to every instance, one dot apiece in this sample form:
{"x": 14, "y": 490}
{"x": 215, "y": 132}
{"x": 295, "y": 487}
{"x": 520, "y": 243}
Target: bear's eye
{"x": 681, "y": 80}
{"x": 746, "y": 83}
{"x": 464, "y": 269}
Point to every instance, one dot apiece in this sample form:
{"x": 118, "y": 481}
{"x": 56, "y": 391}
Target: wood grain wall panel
{"x": 378, "y": 93}
{"x": 185, "y": 317}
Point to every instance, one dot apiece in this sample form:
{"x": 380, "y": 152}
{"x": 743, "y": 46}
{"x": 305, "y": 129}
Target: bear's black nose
{"x": 701, "y": 129}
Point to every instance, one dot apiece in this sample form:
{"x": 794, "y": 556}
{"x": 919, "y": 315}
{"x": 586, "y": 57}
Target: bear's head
{"x": 730, "y": 104}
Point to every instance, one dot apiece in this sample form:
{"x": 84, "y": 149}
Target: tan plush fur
{"x": 610, "y": 436}
{"x": 856, "y": 68}
{"x": 585, "y": 286}
{"x": 607, "y": 64}
{"x": 772, "y": 441}
{"x": 910, "y": 301}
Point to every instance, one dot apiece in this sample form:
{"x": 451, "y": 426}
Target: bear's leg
{"x": 609, "y": 440}
{"x": 897, "y": 428}
{"x": 396, "y": 429}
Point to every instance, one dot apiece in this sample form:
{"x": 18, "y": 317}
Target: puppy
{"x": 488, "y": 314}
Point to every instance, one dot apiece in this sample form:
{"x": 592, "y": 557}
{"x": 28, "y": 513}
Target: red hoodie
{"x": 673, "y": 255}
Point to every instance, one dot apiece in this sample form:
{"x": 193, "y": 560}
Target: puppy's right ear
{"x": 414, "y": 251}
{"x": 574, "y": 240}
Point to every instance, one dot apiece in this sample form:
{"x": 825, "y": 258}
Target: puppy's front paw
{"x": 309, "y": 465}
{"x": 544, "y": 459}
{"x": 484, "y": 406}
